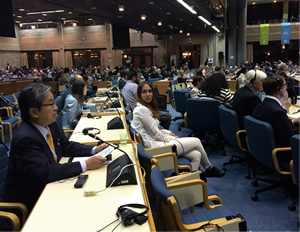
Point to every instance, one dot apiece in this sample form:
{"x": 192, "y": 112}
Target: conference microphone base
{"x": 115, "y": 123}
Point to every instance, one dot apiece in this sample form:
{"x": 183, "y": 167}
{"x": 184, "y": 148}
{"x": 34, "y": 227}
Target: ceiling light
{"x": 168, "y": 13}
{"x": 188, "y": 34}
{"x": 187, "y": 6}
{"x": 74, "y": 24}
{"x": 63, "y": 18}
{"x": 121, "y": 8}
{"x": 90, "y": 19}
{"x": 44, "y": 14}
{"x": 33, "y": 27}
{"x": 40, "y": 20}
{"x": 159, "y": 23}
{"x": 204, "y": 20}
{"x": 21, "y": 25}
{"x": 70, "y": 12}
{"x": 143, "y": 17}
{"x": 181, "y": 31}
{"x": 253, "y": 3}
{"x": 274, "y": 1}
{"x": 216, "y": 29}
{"x": 19, "y": 16}
{"x": 21, "y": 9}
{"x": 150, "y": 3}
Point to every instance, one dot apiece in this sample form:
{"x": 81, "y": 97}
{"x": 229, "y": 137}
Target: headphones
{"x": 86, "y": 130}
{"x": 254, "y": 78}
{"x": 91, "y": 116}
{"x": 279, "y": 83}
{"x": 129, "y": 216}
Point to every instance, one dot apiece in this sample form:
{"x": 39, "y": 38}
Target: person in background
{"x": 129, "y": 90}
{"x": 33, "y": 161}
{"x": 272, "y": 111}
{"x": 198, "y": 80}
{"x": 122, "y": 80}
{"x": 215, "y": 86}
{"x": 241, "y": 76}
{"x": 146, "y": 120}
{"x": 246, "y": 99}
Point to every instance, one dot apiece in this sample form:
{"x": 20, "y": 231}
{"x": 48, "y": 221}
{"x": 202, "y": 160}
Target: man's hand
{"x": 101, "y": 147}
{"x": 287, "y": 104}
{"x": 94, "y": 162}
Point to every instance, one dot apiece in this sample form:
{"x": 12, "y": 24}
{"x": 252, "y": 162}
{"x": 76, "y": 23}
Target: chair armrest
{"x": 159, "y": 150}
{"x": 8, "y": 110}
{"x": 173, "y": 104}
{"x": 275, "y": 159}
{"x": 192, "y": 192}
{"x": 167, "y": 161}
{"x": 185, "y": 120}
{"x": 18, "y": 206}
{"x": 12, "y": 218}
{"x": 238, "y": 138}
{"x": 293, "y": 172}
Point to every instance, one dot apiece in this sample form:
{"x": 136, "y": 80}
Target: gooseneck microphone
{"x": 102, "y": 141}
{"x": 116, "y": 122}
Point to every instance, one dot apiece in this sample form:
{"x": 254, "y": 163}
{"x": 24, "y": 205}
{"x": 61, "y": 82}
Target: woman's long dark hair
{"x": 77, "y": 90}
{"x": 153, "y": 104}
{"x": 213, "y": 84}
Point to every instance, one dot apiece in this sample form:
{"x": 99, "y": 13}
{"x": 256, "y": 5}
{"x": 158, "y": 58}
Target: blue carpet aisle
{"x": 269, "y": 213}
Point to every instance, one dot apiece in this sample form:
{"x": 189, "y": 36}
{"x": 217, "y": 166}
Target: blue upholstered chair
{"x": 129, "y": 118}
{"x": 232, "y": 134}
{"x": 261, "y": 144}
{"x": 294, "y": 165}
{"x": 184, "y": 205}
{"x": 179, "y": 104}
{"x": 10, "y": 217}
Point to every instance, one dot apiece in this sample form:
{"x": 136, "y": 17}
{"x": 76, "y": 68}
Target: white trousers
{"x": 192, "y": 149}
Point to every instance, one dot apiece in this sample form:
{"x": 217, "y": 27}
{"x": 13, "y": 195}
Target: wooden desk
{"x": 100, "y": 84}
{"x": 111, "y": 136}
{"x": 232, "y": 85}
{"x": 292, "y": 112}
{"x": 63, "y": 208}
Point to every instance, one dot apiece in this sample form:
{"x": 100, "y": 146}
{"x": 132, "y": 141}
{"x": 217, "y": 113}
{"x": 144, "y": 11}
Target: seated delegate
{"x": 146, "y": 122}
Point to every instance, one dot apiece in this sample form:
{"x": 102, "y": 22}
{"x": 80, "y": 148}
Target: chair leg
{"x": 270, "y": 187}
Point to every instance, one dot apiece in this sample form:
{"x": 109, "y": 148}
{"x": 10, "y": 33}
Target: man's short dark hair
{"x": 32, "y": 96}
{"x": 272, "y": 84}
{"x": 132, "y": 73}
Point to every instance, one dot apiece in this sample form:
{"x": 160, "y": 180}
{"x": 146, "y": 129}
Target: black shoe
{"x": 214, "y": 172}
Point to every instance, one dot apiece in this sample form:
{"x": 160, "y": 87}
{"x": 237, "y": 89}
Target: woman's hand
{"x": 172, "y": 134}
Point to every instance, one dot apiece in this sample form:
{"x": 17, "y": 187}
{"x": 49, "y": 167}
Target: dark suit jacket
{"x": 31, "y": 164}
{"x": 270, "y": 111}
{"x": 244, "y": 102}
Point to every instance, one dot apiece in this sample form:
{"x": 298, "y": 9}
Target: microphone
{"x": 102, "y": 141}
{"x": 116, "y": 122}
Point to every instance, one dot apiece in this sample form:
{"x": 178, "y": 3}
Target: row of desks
{"x": 61, "y": 207}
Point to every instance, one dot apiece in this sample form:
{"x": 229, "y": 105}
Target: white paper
{"x": 102, "y": 153}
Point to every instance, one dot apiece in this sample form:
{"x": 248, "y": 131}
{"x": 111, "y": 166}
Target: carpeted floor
{"x": 269, "y": 213}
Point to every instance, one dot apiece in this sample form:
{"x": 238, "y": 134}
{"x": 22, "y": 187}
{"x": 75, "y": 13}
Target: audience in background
{"x": 198, "y": 80}
{"x": 240, "y": 76}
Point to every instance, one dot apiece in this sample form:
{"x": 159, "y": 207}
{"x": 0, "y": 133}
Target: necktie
{"x": 51, "y": 144}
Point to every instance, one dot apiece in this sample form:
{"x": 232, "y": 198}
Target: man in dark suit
{"x": 33, "y": 161}
{"x": 246, "y": 99}
{"x": 272, "y": 111}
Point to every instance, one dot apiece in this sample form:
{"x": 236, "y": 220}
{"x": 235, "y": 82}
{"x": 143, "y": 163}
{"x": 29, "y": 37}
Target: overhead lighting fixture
{"x": 74, "y": 24}
{"x": 283, "y": 46}
{"x": 215, "y": 28}
{"x": 143, "y": 17}
{"x": 181, "y": 31}
{"x": 45, "y": 22}
{"x": 33, "y": 27}
{"x": 274, "y": 1}
{"x": 45, "y": 12}
{"x": 159, "y": 23}
{"x": 188, "y": 34}
{"x": 121, "y": 8}
{"x": 21, "y": 25}
{"x": 204, "y": 20}
{"x": 21, "y": 9}
{"x": 253, "y": 3}
{"x": 187, "y": 6}
{"x": 150, "y": 3}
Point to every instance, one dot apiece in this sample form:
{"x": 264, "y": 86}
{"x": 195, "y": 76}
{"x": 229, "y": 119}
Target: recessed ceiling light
{"x": 159, "y": 23}
{"x": 143, "y": 17}
{"x": 188, "y": 34}
{"x": 119, "y": 16}
{"x": 19, "y": 16}
{"x": 21, "y": 9}
{"x": 33, "y": 27}
{"x": 70, "y": 12}
{"x": 74, "y": 24}
{"x": 121, "y": 8}
{"x": 180, "y": 19}
{"x": 150, "y": 3}
{"x": 253, "y": 3}
{"x": 44, "y": 14}
{"x": 40, "y": 20}
{"x": 168, "y": 13}
{"x": 63, "y": 18}
{"x": 93, "y": 8}
{"x": 17, "y": 21}
{"x": 181, "y": 31}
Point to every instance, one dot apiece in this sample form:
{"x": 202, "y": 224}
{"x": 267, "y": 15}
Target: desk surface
{"x": 292, "y": 111}
{"x": 61, "y": 207}
{"x": 112, "y": 136}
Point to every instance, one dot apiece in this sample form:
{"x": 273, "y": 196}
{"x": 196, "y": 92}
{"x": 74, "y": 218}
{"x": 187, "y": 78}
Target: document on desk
{"x": 102, "y": 153}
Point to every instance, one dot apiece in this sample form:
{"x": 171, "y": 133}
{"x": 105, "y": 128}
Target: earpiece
{"x": 129, "y": 216}
{"x": 86, "y": 130}
{"x": 90, "y": 116}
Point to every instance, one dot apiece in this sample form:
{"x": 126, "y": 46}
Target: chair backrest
{"x": 134, "y": 133}
{"x": 11, "y": 98}
{"x": 180, "y": 100}
{"x": 229, "y": 124}
{"x": 203, "y": 115}
{"x": 129, "y": 118}
{"x": 261, "y": 142}
{"x": 3, "y": 168}
{"x": 295, "y": 143}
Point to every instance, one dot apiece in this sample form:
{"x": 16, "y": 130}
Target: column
{"x": 242, "y": 30}
{"x": 232, "y": 32}
{"x": 61, "y": 44}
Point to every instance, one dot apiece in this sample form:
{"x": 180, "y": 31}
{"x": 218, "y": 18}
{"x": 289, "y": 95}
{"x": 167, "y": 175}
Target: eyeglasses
{"x": 50, "y": 104}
